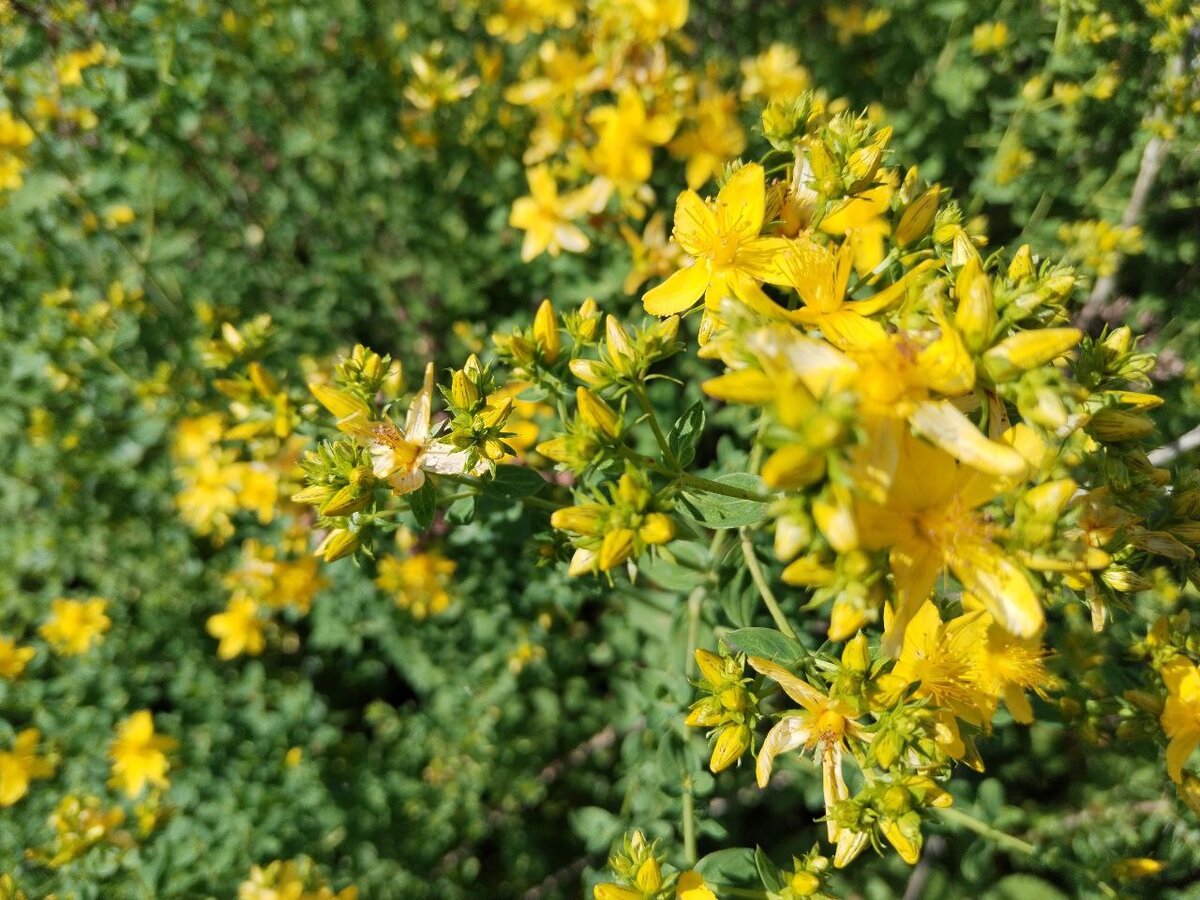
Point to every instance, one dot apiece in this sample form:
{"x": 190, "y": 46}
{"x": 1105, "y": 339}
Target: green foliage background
{"x": 267, "y": 172}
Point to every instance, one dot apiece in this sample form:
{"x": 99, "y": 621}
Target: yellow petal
{"x": 741, "y": 204}
{"x": 1000, "y": 584}
{"x": 945, "y": 426}
{"x": 679, "y": 292}
{"x": 695, "y": 224}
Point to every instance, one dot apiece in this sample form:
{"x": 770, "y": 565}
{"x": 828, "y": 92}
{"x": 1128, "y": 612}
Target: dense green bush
{"x": 192, "y": 164}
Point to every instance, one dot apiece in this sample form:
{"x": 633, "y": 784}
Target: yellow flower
{"x": 716, "y": 137}
{"x": 520, "y": 18}
{"x": 691, "y": 886}
{"x": 626, "y": 137}
{"x": 20, "y": 766}
{"x": 70, "y": 66}
{"x": 138, "y": 755}
{"x": 852, "y": 20}
{"x": 866, "y": 218}
{"x": 402, "y": 456}
{"x": 929, "y": 520}
{"x": 730, "y": 258}
{"x": 547, "y": 218}
{"x": 989, "y": 37}
{"x": 418, "y": 583}
{"x": 1010, "y": 665}
{"x": 239, "y": 628}
{"x": 942, "y": 660}
{"x": 774, "y": 76}
{"x": 13, "y": 659}
{"x": 653, "y": 255}
{"x": 1181, "y": 714}
{"x": 75, "y": 626}
{"x": 822, "y": 725}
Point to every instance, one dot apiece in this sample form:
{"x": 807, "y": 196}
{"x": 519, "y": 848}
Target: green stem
{"x": 689, "y": 826}
{"x": 969, "y": 822}
{"x": 696, "y": 482}
{"x": 726, "y": 490}
{"x": 643, "y": 399}
{"x": 764, "y": 589}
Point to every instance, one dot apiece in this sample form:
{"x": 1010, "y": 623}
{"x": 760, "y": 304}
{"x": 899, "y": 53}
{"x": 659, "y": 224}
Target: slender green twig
{"x": 764, "y": 589}
{"x": 643, "y": 399}
{"x": 969, "y": 822}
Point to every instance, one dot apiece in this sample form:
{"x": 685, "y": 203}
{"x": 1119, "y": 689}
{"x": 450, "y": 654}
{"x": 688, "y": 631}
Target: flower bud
{"x": 338, "y": 543}
{"x": 597, "y": 414}
{"x": 649, "y": 877}
{"x": 1116, "y": 425}
{"x": 621, "y": 352}
{"x": 262, "y": 380}
{"x": 1027, "y": 350}
{"x": 616, "y": 548}
{"x": 732, "y": 742}
{"x": 1125, "y": 580}
{"x": 587, "y": 519}
{"x": 712, "y": 666}
{"x": 464, "y": 394}
{"x": 657, "y": 528}
{"x": 975, "y": 316}
{"x": 341, "y": 403}
{"x": 545, "y": 332}
{"x": 1021, "y": 266}
{"x": 917, "y": 217}
{"x": 350, "y": 499}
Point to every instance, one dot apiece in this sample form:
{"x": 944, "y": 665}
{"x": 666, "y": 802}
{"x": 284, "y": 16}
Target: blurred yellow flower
{"x": 13, "y": 659}
{"x": 138, "y": 755}
{"x": 548, "y": 218}
{"x": 239, "y": 628}
{"x": 774, "y": 76}
{"x": 418, "y": 583}
{"x": 21, "y": 765}
{"x": 75, "y": 626}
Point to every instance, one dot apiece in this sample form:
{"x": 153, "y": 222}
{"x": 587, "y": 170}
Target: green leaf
{"x": 719, "y": 511}
{"x": 423, "y": 503}
{"x": 772, "y": 877}
{"x": 461, "y": 511}
{"x": 685, "y": 434}
{"x": 733, "y": 867}
{"x": 767, "y": 643}
{"x": 1019, "y": 886}
{"x": 595, "y": 826}
{"x": 513, "y": 483}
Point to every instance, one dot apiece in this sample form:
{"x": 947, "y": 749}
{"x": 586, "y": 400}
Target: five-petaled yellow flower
{"x": 20, "y": 766}
{"x": 239, "y": 628}
{"x": 138, "y": 755}
{"x": 1181, "y": 714}
{"x": 548, "y": 218}
{"x": 13, "y": 659}
{"x": 75, "y": 626}
{"x": 731, "y": 257}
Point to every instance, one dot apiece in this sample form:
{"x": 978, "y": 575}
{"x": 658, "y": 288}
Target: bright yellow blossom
{"x": 929, "y": 521}
{"x": 730, "y": 257}
{"x": 13, "y": 659}
{"x": 548, "y": 218}
{"x": 626, "y": 137}
{"x": 418, "y": 583}
{"x": 239, "y": 628}
{"x": 774, "y": 76}
{"x": 1181, "y": 714}
{"x": 21, "y": 765}
{"x": 714, "y": 139}
{"x": 823, "y": 725}
{"x": 138, "y": 755}
{"x": 75, "y": 626}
